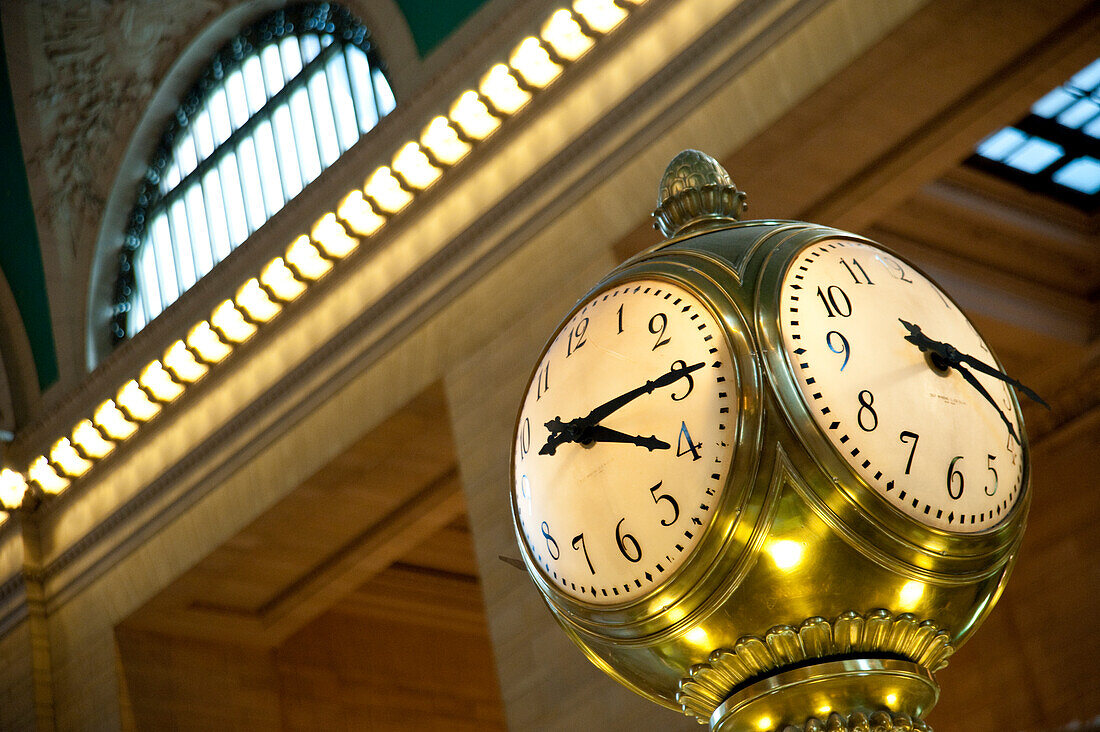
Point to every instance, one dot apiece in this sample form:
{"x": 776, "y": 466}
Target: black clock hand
{"x": 952, "y": 356}
{"x": 599, "y": 433}
{"x": 973, "y": 381}
{"x": 571, "y": 431}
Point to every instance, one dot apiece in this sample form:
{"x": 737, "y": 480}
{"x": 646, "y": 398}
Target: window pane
{"x": 231, "y": 180}
{"x": 1053, "y": 103}
{"x": 1001, "y": 143}
{"x": 219, "y": 221}
{"x": 200, "y": 235}
{"x": 1087, "y": 78}
{"x": 182, "y": 244}
{"x": 321, "y": 106}
{"x": 340, "y": 92}
{"x": 291, "y": 55}
{"x": 361, "y": 88}
{"x": 218, "y": 106}
{"x": 185, "y": 155}
{"x": 305, "y": 134}
{"x": 386, "y": 102}
{"x": 204, "y": 138}
{"x": 253, "y": 193}
{"x": 164, "y": 259}
{"x": 148, "y": 283}
{"x": 289, "y": 152}
{"x": 1080, "y": 113}
{"x": 311, "y": 46}
{"x": 273, "y": 69}
{"x": 1083, "y": 174}
{"x": 270, "y": 178}
{"x": 254, "y": 89}
{"x": 1034, "y": 155}
{"x": 237, "y": 99}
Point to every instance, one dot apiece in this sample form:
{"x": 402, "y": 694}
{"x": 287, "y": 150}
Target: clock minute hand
{"x": 954, "y": 357}
{"x": 598, "y": 414}
{"x": 973, "y": 381}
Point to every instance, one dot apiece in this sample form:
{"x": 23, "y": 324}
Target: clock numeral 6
{"x": 551, "y": 545}
{"x": 952, "y": 473}
{"x": 626, "y": 540}
{"x": 670, "y": 499}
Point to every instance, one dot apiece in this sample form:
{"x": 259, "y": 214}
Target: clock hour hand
{"x": 599, "y": 433}
{"x": 951, "y": 356}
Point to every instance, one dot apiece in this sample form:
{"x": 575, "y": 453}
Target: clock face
{"x": 923, "y": 436}
{"x": 624, "y": 441}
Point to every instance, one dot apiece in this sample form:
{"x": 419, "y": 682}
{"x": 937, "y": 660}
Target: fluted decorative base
{"x": 858, "y": 694}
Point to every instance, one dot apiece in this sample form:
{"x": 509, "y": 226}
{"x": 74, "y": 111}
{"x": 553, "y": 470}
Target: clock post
{"x": 793, "y": 489}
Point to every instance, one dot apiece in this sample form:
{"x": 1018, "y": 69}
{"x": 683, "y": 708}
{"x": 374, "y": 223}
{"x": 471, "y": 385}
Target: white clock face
{"x": 925, "y": 438}
{"x": 624, "y": 441}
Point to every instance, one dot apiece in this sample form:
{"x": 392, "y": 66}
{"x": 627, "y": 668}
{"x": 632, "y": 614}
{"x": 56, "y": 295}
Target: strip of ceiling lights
{"x": 534, "y": 64}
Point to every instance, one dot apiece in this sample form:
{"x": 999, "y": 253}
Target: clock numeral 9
{"x": 551, "y": 545}
{"x": 866, "y": 399}
{"x": 657, "y": 325}
{"x": 625, "y": 540}
{"x": 951, "y": 475}
{"x": 577, "y": 332}
{"x": 670, "y": 499}
{"x": 842, "y": 348}
{"x": 833, "y": 307}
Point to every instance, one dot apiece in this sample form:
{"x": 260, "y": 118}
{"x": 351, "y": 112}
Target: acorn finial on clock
{"x": 696, "y": 193}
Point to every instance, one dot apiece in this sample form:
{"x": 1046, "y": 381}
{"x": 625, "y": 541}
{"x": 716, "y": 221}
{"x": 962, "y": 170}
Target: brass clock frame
{"x": 857, "y": 508}
{"x": 717, "y": 557}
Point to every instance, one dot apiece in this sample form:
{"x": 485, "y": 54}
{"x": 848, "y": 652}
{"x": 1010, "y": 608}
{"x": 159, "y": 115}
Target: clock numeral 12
{"x": 579, "y": 332}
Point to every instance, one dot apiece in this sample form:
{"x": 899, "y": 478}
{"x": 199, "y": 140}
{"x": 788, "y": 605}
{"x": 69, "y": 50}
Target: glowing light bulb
{"x": 227, "y": 319}
{"x": 471, "y": 114}
{"x": 786, "y": 554}
{"x": 306, "y": 261}
{"x": 136, "y": 402}
{"x": 891, "y": 699}
{"x": 502, "y": 89}
{"x": 386, "y": 190}
{"x": 12, "y": 488}
{"x": 764, "y": 723}
{"x": 112, "y": 421}
{"x": 67, "y": 459}
{"x": 182, "y": 363}
{"x": 532, "y": 61}
{"x": 414, "y": 166}
{"x": 698, "y": 636}
{"x": 91, "y": 443}
{"x": 158, "y": 383}
{"x": 357, "y": 213}
{"x": 565, "y": 36}
{"x": 255, "y": 302}
{"x": 48, "y": 479}
{"x": 206, "y": 344}
{"x": 601, "y": 15}
{"x": 443, "y": 142}
{"x": 280, "y": 280}
{"x": 331, "y": 236}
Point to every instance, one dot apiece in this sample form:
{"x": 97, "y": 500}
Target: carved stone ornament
{"x": 696, "y": 191}
{"x": 709, "y": 684}
{"x": 881, "y": 721}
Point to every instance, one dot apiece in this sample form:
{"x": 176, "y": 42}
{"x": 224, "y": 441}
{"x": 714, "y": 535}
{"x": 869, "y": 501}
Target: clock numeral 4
{"x": 692, "y": 447}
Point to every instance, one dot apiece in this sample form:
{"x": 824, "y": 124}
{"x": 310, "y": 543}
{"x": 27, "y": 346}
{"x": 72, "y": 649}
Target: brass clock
{"x": 767, "y": 471}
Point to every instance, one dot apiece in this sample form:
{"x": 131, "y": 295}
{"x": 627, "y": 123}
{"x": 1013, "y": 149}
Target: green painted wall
{"x": 431, "y": 21}
{"x": 20, "y": 255}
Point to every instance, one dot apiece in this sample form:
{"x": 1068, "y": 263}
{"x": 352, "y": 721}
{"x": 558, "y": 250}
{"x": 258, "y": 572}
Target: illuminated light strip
{"x": 534, "y": 63}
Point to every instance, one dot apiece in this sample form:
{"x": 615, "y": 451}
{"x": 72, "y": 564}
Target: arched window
{"x": 277, "y": 105}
